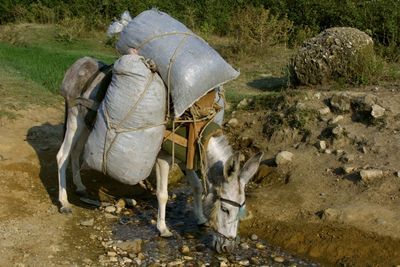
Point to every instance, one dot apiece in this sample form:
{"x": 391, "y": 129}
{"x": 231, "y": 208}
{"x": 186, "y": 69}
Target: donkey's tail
{"x": 65, "y": 118}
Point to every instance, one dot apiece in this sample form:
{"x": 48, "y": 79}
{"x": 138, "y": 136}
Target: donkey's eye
{"x": 225, "y": 210}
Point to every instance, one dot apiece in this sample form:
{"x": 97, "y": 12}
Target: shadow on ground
{"x": 46, "y": 139}
{"x": 270, "y": 83}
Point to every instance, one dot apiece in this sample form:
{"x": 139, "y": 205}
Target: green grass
{"x": 33, "y": 63}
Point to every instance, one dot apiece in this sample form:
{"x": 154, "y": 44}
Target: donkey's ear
{"x": 250, "y": 168}
{"x": 232, "y": 166}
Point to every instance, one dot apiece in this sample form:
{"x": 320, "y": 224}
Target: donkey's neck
{"x": 218, "y": 152}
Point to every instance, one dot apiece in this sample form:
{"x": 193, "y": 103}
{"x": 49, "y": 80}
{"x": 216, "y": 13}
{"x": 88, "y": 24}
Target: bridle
{"x": 235, "y": 204}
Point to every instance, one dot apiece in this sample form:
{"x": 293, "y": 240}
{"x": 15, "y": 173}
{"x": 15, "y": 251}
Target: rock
{"x": 254, "y": 237}
{"x": 370, "y": 175}
{"x": 324, "y": 111}
{"x": 223, "y": 264}
{"x": 121, "y": 204}
{"x": 87, "y": 223}
{"x": 111, "y": 254}
{"x": 175, "y": 263}
{"x": 244, "y": 103}
{"x": 255, "y": 261}
{"x": 330, "y": 214}
{"x": 244, "y": 246}
{"x": 346, "y": 158}
{"x": 110, "y": 209}
{"x": 279, "y": 259}
{"x": 348, "y": 169}
{"x": 377, "y": 111}
{"x": 175, "y": 174}
{"x": 283, "y": 158}
{"x": 340, "y": 103}
{"x": 141, "y": 256}
{"x": 113, "y": 259}
{"x": 397, "y": 174}
{"x": 328, "y": 151}
{"x": 130, "y": 202}
{"x": 246, "y": 141}
{"x": 321, "y": 145}
{"x": 337, "y": 119}
{"x": 131, "y": 246}
{"x": 244, "y": 262}
{"x": 260, "y": 245}
{"x": 233, "y": 122}
{"x": 331, "y": 54}
{"x": 110, "y": 216}
{"x": 126, "y": 260}
{"x": 185, "y": 249}
{"x": 337, "y": 131}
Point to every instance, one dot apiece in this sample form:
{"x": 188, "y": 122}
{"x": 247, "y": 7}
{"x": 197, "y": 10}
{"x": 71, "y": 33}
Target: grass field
{"x": 33, "y": 63}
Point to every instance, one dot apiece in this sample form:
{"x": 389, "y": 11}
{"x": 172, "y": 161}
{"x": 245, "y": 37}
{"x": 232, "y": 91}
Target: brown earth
{"x": 310, "y": 207}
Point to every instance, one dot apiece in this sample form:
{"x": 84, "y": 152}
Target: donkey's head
{"x": 227, "y": 199}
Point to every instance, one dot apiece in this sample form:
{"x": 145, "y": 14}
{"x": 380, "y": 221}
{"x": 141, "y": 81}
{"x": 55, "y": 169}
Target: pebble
{"x": 185, "y": 249}
{"x": 337, "y": 119}
{"x": 260, "y": 246}
{"x": 337, "y": 131}
{"x": 223, "y": 264}
{"x": 113, "y": 259}
{"x": 244, "y": 262}
{"x": 175, "y": 263}
{"x": 110, "y": 216}
{"x": 398, "y": 174}
{"x": 348, "y": 169}
{"x": 110, "y": 209}
{"x": 254, "y": 237}
{"x": 283, "y": 158}
{"x": 233, "y": 122}
{"x": 134, "y": 246}
{"x": 324, "y": 111}
{"x": 244, "y": 246}
{"x": 121, "y": 203}
{"x": 377, "y": 111}
{"x": 321, "y": 145}
{"x": 130, "y": 202}
{"x": 141, "y": 256}
{"x": 87, "y": 223}
{"x": 279, "y": 259}
{"x": 111, "y": 254}
{"x": 370, "y": 175}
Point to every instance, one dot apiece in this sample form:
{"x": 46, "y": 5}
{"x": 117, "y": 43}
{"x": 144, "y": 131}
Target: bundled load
{"x": 188, "y": 65}
{"x": 130, "y": 124}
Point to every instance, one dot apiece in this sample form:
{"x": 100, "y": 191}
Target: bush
{"x": 255, "y": 28}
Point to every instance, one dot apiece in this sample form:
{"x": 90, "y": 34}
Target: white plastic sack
{"x": 129, "y": 127}
{"x": 187, "y": 64}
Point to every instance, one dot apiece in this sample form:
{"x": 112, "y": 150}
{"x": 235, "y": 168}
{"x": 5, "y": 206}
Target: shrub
{"x": 256, "y": 28}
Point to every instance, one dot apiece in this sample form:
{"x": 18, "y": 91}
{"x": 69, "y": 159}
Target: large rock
{"x": 329, "y": 55}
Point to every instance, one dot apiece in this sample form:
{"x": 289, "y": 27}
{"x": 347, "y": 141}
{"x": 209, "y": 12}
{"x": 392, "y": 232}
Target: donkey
{"x": 83, "y": 86}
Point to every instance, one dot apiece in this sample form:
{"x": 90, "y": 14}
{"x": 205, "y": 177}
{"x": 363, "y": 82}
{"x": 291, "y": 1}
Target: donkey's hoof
{"x": 166, "y": 233}
{"x": 65, "y": 210}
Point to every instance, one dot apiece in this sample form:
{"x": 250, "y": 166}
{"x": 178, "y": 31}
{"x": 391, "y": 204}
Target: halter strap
{"x": 233, "y": 203}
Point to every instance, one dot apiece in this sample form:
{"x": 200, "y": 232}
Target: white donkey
{"x": 84, "y": 85}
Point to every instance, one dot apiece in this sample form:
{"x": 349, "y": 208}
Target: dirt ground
{"x": 316, "y": 206}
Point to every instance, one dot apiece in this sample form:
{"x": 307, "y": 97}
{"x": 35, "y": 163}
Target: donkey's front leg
{"x": 162, "y": 170}
{"x": 197, "y": 189}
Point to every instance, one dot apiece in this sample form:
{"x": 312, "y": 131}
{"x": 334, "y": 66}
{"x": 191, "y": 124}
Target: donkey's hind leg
{"x": 75, "y": 161}
{"x": 162, "y": 170}
{"x": 74, "y": 128}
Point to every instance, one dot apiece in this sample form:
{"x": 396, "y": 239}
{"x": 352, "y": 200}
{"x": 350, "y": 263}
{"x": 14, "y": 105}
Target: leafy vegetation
{"x": 379, "y": 18}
